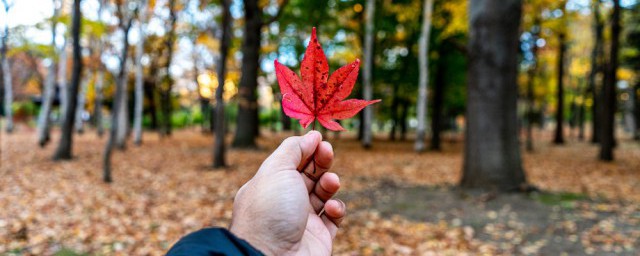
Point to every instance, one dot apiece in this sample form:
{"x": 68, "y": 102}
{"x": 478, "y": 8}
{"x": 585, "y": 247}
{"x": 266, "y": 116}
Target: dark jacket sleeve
{"x": 212, "y": 241}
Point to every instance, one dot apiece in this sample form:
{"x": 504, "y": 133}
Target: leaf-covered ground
{"x": 399, "y": 202}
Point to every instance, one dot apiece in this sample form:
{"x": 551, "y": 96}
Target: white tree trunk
{"x": 368, "y": 68}
{"x": 62, "y": 79}
{"x": 123, "y": 113}
{"x": 423, "y": 59}
{"x": 139, "y": 89}
{"x": 49, "y": 86}
{"x": 79, "y": 123}
{"x": 8, "y": 92}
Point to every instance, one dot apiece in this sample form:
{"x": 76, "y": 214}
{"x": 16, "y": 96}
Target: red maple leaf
{"x": 319, "y": 96}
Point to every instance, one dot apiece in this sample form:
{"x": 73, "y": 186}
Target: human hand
{"x": 277, "y": 210}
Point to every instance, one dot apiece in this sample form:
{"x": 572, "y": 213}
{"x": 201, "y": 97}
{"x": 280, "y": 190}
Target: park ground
{"x": 399, "y": 202}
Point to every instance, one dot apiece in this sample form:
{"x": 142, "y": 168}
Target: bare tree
{"x": 124, "y": 24}
{"x": 423, "y": 58}
{"x": 64, "y": 149}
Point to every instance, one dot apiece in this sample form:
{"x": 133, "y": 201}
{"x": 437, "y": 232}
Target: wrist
{"x": 252, "y": 238}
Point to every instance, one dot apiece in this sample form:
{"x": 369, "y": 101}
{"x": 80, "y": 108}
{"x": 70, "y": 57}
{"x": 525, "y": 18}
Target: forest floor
{"x": 399, "y": 202}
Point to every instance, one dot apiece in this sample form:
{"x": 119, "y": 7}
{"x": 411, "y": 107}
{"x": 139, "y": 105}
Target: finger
{"x": 316, "y": 203}
{"x": 323, "y": 161}
{"x": 334, "y": 212}
{"x": 291, "y": 153}
{"x": 327, "y": 186}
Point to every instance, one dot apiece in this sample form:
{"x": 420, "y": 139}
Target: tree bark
{"x": 367, "y": 92}
{"x": 423, "y": 83}
{"x": 117, "y": 101}
{"x": 596, "y": 67}
{"x": 64, "y": 150}
{"x": 559, "y": 134}
{"x": 492, "y": 154}
{"x": 62, "y": 79}
{"x": 167, "y": 81}
{"x": 139, "y": 87}
{"x": 79, "y": 123}
{"x": 438, "y": 102}
{"x": 609, "y": 91}
{"x": 394, "y": 112}
{"x": 219, "y": 151}
{"x": 247, "y": 121}
{"x": 6, "y": 74}
{"x": 50, "y": 82}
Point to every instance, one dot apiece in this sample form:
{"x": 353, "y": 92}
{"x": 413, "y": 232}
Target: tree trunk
{"x": 286, "y": 120}
{"x": 64, "y": 149}
{"x": 394, "y": 112}
{"x": 117, "y": 102}
{"x": 139, "y": 87}
{"x": 167, "y": 81}
{"x": 62, "y": 79}
{"x": 438, "y": 101}
{"x": 423, "y": 84}
{"x": 79, "y": 123}
{"x": 123, "y": 109}
{"x": 403, "y": 120}
{"x": 559, "y": 135}
{"x": 6, "y": 75}
{"x": 367, "y": 92}
{"x": 596, "y": 67}
{"x": 219, "y": 151}
{"x": 492, "y": 154}
{"x": 532, "y": 72}
{"x": 49, "y": 84}
{"x": 247, "y": 121}
{"x": 609, "y": 91}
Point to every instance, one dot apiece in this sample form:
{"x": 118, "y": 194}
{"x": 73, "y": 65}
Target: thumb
{"x": 293, "y": 154}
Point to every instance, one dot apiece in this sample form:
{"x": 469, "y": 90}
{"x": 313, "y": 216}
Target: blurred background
{"x": 505, "y": 127}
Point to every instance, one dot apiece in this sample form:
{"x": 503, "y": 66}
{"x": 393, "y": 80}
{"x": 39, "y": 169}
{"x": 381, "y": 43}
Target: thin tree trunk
{"x": 123, "y": 111}
{"x": 62, "y": 79}
{"x": 64, "y": 150}
{"x": 492, "y": 153}
{"x": 423, "y": 83}
{"x": 139, "y": 89}
{"x": 609, "y": 91}
{"x": 167, "y": 82}
{"x": 50, "y": 83}
{"x": 438, "y": 101}
{"x": 394, "y": 112}
{"x": 403, "y": 120}
{"x": 117, "y": 105}
{"x": 559, "y": 135}
{"x": 6, "y": 75}
{"x": 219, "y": 151}
{"x": 596, "y": 67}
{"x": 247, "y": 120}
{"x": 79, "y": 123}
{"x": 367, "y": 91}
{"x": 99, "y": 83}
